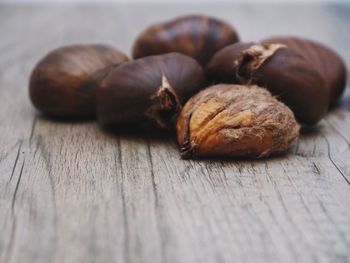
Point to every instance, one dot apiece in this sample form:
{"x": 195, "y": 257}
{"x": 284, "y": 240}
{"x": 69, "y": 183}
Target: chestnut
{"x": 234, "y": 120}
{"x": 152, "y": 88}
{"x": 197, "y": 36}
{"x": 64, "y": 82}
{"x": 281, "y": 70}
{"x": 325, "y": 60}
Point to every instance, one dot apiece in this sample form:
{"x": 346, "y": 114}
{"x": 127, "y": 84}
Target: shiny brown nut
{"x": 234, "y": 120}
{"x": 64, "y": 82}
{"x": 278, "y": 68}
{"x": 196, "y": 36}
{"x": 152, "y": 88}
{"x": 222, "y": 67}
{"x": 325, "y": 60}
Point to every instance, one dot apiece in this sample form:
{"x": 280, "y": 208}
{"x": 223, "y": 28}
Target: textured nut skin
{"x": 63, "y": 83}
{"x": 152, "y": 88}
{"x": 325, "y": 60}
{"x": 234, "y": 120}
{"x": 195, "y": 35}
{"x": 278, "y": 68}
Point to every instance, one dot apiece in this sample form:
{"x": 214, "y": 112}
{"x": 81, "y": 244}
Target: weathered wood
{"x": 71, "y": 192}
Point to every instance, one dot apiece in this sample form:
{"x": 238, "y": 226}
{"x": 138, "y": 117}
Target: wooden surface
{"x": 70, "y": 192}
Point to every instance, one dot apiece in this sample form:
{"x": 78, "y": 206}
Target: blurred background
{"x": 42, "y": 25}
{"x": 173, "y": 1}
{"x": 113, "y": 21}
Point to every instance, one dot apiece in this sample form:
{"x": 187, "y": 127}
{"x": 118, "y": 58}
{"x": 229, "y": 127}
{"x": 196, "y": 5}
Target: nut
{"x": 235, "y": 120}
{"x": 152, "y": 88}
{"x": 278, "y": 68}
{"x": 196, "y": 36}
{"x": 326, "y": 61}
{"x": 64, "y": 82}
{"x": 222, "y": 67}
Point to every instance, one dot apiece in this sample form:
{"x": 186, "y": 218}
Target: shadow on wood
{"x": 65, "y": 119}
{"x": 140, "y": 130}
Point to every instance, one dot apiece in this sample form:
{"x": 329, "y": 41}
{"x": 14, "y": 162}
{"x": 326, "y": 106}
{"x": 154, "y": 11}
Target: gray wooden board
{"x": 70, "y": 192}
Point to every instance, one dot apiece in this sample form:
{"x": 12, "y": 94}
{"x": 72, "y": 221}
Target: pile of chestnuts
{"x": 191, "y": 74}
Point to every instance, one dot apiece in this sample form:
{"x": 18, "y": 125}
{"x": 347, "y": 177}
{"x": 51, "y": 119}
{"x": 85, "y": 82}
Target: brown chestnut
{"x": 325, "y": 60}
{"x": 281, "y": 70}
{"x": 234, "y": 120}
{"x": 197, "y": 36}
{"x": 152, "y": 88}
{"x": 64, "y": 82}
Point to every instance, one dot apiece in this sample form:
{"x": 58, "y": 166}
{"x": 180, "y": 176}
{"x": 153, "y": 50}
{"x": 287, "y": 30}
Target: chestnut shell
{"x": 281, "y": 70}
{"x": 151, "y": 88}
{"x": 64, "y": 82}
{"x": 197, "y": 36}
{"x": 235, "y": 120}
{"x": 325, "y": 60}
{"x": 222, "y": 66}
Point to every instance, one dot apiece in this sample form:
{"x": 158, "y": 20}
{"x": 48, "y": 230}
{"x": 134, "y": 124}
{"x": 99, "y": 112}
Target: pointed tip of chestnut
{"x": 153, "y": 88}
{"x": 64, "y": 82}
{"x": 221, "y": 67}
{"x": 198, "y": 36}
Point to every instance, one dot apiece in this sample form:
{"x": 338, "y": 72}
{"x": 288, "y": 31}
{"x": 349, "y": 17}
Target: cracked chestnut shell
{"x": 64, "y": 82}
{"x": 197, "y": 36}
{"x": 281, "y": 70}
{"x": 325, "y": 60}
{"x": 152, "y": 88}
{"x": 235, "y": 120}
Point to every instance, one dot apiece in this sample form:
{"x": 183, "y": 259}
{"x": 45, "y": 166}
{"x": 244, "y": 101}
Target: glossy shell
{"x": 325, "y": 60}
{"x": 152, "y": 88}
{"x": 64, "y": 82}
{"x": 285, "y": 73}
{"x": 196, "y": 36}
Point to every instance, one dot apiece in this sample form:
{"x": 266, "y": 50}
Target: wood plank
{"x": 71, "y": 192}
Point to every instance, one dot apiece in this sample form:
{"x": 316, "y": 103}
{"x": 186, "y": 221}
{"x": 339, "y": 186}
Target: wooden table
{"x": 71, "y": 192}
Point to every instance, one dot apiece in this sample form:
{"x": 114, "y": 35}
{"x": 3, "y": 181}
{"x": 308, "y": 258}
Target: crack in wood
{"x": 16, "y": 160}
{"x": 17, "y": 186}
{"x": 156, "y": 204}
{"x": 333, "y": 162}
{"x": 316, "y": 169}
{"x": 9, "y": 250}
{"x": 124, "y": 209}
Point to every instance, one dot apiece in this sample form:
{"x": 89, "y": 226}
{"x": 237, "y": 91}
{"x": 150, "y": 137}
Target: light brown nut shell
{"x": 235, "y": 120}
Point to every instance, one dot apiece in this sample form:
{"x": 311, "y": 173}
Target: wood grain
{"x": 71, "y": 192}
